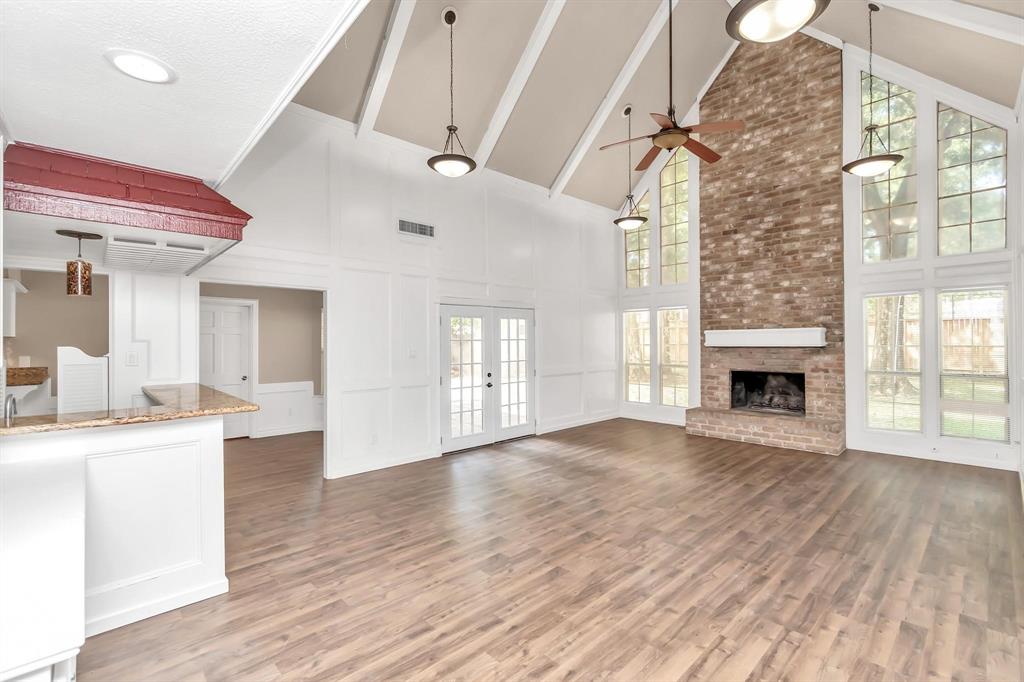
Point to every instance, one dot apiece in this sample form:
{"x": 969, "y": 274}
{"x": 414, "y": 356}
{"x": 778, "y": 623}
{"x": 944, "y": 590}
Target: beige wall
{"x": 289, "y": 330}
{"x": 47, "y": 317}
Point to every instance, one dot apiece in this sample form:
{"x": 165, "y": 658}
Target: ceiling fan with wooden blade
{"x": 672, "y": 135}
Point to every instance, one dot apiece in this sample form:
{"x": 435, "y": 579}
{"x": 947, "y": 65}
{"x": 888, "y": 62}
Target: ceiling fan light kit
{"x": 872, "y": 164}
{"x": 450, "y": 162}
{"x": 672, "y": 135}
{"x": 769, "y": 21}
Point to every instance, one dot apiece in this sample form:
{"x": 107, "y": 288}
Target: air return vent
{"x": 152, "y": 256}
{"x": 418, "y": 229}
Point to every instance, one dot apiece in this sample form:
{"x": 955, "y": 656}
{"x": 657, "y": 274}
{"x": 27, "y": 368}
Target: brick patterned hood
{"x": 68, "y": 185}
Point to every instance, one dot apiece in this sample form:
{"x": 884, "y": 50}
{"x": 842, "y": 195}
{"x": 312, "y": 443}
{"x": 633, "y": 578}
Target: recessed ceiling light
{"x": 141, "y": 66}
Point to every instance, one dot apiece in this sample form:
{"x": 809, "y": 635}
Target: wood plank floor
{"x": 621, "y": 550}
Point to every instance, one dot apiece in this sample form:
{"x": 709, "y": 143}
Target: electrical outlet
{"x": 131, "y": 358}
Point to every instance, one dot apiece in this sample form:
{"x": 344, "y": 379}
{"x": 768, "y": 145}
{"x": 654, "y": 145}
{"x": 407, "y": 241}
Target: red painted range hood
{"x": 53, "y": 182}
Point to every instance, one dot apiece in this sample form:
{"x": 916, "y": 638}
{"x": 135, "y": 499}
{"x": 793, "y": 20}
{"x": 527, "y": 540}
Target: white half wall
{"x": 286, "y": 407}
{"x": 326, "y": 209}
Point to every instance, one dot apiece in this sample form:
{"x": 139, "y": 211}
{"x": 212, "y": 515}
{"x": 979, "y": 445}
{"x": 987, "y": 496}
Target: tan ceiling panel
{"x": 489, "y": 38}
{"x": 976, "y": 63}
{"x": 1012, "y": 7}
{"x": 587, "y": 47}
{"x": 339, "y": 84}
{"x": 700, "y": 44}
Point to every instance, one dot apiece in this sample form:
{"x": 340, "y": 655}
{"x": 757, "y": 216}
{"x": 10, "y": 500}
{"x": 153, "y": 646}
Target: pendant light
{"x": 872, "y": 164}
{"x": 449, "y": 162}
{"x": 79, "y": 270}
{"x": 632, "y": 219}
{"x": 769, "y": 21}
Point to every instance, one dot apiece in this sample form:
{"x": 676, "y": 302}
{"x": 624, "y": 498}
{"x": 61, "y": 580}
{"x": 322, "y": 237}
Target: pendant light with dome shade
{"x": 769, "y": 21}
{"x": 450, "y": 163}
{"x": 632, "y": 219}
{"x": 872, "y": 164}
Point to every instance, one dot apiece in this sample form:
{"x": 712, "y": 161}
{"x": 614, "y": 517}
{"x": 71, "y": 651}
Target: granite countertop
{"x": 27, "y": 376}
{"x": 173, "y": 401}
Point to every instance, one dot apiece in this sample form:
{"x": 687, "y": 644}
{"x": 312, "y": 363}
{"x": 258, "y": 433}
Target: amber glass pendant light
{"x": 79, "y": 270}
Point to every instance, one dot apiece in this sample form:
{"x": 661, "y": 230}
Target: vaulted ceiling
{"x": 582, "y": 57}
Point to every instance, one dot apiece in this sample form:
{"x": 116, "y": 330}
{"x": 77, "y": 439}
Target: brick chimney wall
{"x": 771, "y": 237}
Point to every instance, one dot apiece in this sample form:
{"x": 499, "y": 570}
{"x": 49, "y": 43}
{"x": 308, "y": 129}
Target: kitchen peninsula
{"x": 109, "y": 517}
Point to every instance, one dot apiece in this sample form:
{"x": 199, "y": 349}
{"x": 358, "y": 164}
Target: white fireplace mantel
{"x": 793, "y": 337}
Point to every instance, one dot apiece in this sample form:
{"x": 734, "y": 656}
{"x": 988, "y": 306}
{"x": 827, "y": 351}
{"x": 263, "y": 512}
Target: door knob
{"x": 245, "y": 377}
{"x": 489, "y": 384}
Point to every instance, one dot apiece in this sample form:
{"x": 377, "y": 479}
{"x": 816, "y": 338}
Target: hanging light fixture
{"x": 79, "y": 271}
{"x": 872, "y": 164}
{"x": 632, "y": 219}
{"x": 769, "y": 21}
{"x": 450, "y": 162}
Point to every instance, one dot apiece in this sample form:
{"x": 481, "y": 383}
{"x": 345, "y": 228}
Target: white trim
{"x": 341, "y": 24}
{"x": 162, "y": 605}
{"x": 534, "y": 47}
{"x": 987, "y": 22}
{"x": 254, "y": 345}
{"x": 790, "y": 337}
{"x": 387, "y": 58}
{"x": 563, "y": 423}
{"x": 611, "y": 98}
{"x": 928, "y": 274}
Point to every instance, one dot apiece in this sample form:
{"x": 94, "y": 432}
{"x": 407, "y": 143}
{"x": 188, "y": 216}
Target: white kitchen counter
{"x": 104, "y": 526}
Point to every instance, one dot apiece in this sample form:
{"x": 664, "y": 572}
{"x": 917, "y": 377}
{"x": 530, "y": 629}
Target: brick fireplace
{"x": 771, "y": 242}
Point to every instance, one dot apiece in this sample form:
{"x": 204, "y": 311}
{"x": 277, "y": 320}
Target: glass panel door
{"x": 515, "y": 373}
{"x": 466, "y": 421}
{"x": 486, "y": 375}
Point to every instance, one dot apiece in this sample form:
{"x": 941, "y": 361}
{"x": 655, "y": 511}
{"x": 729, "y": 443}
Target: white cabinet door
{"x": 224, "y": 362}
{"x": 486, "y": 375}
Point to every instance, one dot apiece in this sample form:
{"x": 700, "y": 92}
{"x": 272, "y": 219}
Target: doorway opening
{"x": 487, "y": 375}
{"x": 264, "y": 345}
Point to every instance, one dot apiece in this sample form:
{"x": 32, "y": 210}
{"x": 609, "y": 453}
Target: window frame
{"x": 929, "y": 273}
{"x": 625, "y": 365}
{"x": 1007, "y": 323}
{"x": 658, "y": 329}
{"x": 923, "y": 382}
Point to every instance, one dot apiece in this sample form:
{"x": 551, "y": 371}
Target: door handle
{"x": 245, "y": 377}
{"x": 489, "y": 384}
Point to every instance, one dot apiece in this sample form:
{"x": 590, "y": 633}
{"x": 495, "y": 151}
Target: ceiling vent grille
{"x": 418, "y": 229}
{"x": 141, "y": 254}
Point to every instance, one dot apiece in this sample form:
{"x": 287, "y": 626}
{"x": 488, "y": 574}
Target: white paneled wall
{"x": 326, "y": 209}
{"x": 154, "y": 333}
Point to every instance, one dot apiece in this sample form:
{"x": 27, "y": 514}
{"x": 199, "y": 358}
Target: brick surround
{"x": 771, "y": 238}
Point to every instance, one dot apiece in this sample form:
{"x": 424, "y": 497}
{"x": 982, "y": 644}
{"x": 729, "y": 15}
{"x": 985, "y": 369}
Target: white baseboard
{"x": 137, "y": 613}
{"x": 362, "y": 466}
{"x": 658, "y": 414}
{"x": 563, "y": 423}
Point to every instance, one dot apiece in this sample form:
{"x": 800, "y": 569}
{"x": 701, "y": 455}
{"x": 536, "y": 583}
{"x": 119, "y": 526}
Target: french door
{"x": 487, "y": 375}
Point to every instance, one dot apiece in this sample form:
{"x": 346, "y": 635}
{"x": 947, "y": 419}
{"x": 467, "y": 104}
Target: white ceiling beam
{"x": 619, "y": 85}
{"x": 528, "y": 60}
{"x": 962, "y": 15}
{"x": 323, "y": 48}
{"x": 394, "y": 36}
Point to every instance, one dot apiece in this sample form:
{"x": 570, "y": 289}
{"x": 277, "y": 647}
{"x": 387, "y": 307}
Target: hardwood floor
{"x": 622, "y": 550}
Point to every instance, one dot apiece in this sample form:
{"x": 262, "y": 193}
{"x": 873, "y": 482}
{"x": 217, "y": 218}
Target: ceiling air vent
{"x": 418, "y": 229}
{"x": 142, "y": 254}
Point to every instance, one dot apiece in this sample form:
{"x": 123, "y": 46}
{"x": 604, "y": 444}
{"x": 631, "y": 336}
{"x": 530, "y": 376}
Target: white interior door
{"x": 486, "y": 375}
{"x": 224, "y": 362}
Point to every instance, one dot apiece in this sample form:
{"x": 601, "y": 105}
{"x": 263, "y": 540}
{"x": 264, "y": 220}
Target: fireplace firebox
{"x": 779, "y": 392}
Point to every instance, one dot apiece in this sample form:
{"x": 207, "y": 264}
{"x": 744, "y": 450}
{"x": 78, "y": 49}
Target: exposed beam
{"x": 534, "y": 47}
{"x": 618, "y": 87}
{"x": 342, "y": 23}
{"x": 962, "y": 15}
{"x": 394, "y": 36}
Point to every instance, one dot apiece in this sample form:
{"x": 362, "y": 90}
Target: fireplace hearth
{"x": 778, "y": 392}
